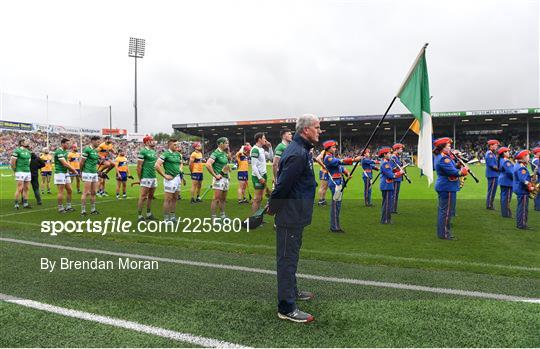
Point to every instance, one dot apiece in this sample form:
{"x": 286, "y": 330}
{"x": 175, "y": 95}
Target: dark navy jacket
{"x": 492, "y": 167}
{"x": 294, "y": 194}
{"x": 506, "y": 172}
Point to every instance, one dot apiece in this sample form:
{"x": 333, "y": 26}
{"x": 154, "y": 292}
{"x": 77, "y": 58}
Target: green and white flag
{"x": 414, "y": 94}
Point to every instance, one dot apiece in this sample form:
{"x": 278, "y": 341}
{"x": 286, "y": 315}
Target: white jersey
{"x": 258, "y": 160}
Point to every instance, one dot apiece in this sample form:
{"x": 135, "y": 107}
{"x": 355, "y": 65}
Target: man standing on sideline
{"x": 286, "y": 138}
{"x": 35, "y": 164}
{"x": 258, "y": 168}
{"x": 492, "y": 172}
{"x": 292, "y": 203}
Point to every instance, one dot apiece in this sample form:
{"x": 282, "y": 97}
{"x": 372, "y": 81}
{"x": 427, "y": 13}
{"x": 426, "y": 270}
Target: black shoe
{"x": 369, "y": 205}
{"x": 193, "y": 201}
{"x": 39, "y": 203}
{"x": 150, "y": 217}
{"x": 304, "y": 296}
{"x": 140, "y": 219}
{"x": 70, "y": 209}
{"x": 490, "y": 208}
{"x": 394, "y": 212}
{"x": 94, "y": 212}
{"x": 84, "y": 214}
{"x": 297, "y": 316}
{"x": 198, "y": 200}
{"x": 27, "y": 206}
{"x": 341, "y": 231}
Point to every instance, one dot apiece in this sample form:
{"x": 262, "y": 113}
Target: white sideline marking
{"x": 130, "y": 325}
{"x": 352, "y": 254}
{"x": 440, "y": 290}
{"x": 23, "y": 211}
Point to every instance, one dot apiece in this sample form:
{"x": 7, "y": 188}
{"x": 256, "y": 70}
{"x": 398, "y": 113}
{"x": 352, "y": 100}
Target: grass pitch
{"x": 491, "y": 255}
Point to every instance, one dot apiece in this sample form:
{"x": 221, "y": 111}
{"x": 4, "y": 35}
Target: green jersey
{"x": 58, "y": 166}
{"x": 23, "y": 159}
{"x": 171, "y": 162}
{"x": 148, "y": 157}
{"x": 220, "y": 161}
{"x": 280, "y": 149}
{"x": 91, "y": 160}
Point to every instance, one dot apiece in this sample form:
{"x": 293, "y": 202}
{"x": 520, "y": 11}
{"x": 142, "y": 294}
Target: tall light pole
{"x": 136, "y": 50}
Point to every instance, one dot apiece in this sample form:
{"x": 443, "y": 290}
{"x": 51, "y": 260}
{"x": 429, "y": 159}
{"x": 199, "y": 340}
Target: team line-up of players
{"x": 96, "y": 161}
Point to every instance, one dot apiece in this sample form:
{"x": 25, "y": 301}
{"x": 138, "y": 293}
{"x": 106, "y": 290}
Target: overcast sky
{"x": 234, "y": 60}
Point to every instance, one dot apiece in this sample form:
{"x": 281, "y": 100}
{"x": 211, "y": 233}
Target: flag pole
{"x": 374, "y": 132}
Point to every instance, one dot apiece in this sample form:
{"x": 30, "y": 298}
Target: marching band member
{"x": 395, "y": 161}
{"x": 388, "y": 175}
{"x": 323, "y": 180}
{"x": 535, "y": 164}
{"x": 368, "y": 165}
{"x": 492, "y": 172}
{"x": 522, "y": 186}
{"x": 334, "y": 166}
{"x": 506, "y": 178}
{"x": 447, "y": 185}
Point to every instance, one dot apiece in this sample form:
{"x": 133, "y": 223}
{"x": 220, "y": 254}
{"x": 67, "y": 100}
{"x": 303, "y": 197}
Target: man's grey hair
{"x": 305, "y": 121}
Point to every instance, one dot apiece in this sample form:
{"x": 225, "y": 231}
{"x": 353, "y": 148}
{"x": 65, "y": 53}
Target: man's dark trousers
{"x": 289, "y": 241}
{"x": 35, "y": 186}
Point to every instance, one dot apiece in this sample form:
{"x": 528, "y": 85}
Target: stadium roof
{"x": 196, "y": 128}
{"x": 522, "y": 121}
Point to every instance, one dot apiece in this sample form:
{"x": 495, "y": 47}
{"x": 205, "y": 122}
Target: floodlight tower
{"x": 136, "y": 50}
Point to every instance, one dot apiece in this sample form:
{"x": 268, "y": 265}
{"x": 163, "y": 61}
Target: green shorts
{"x": 256, "y": 183}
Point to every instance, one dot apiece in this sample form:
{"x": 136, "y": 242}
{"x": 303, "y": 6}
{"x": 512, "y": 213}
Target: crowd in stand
{"x": 38, "y": 141}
